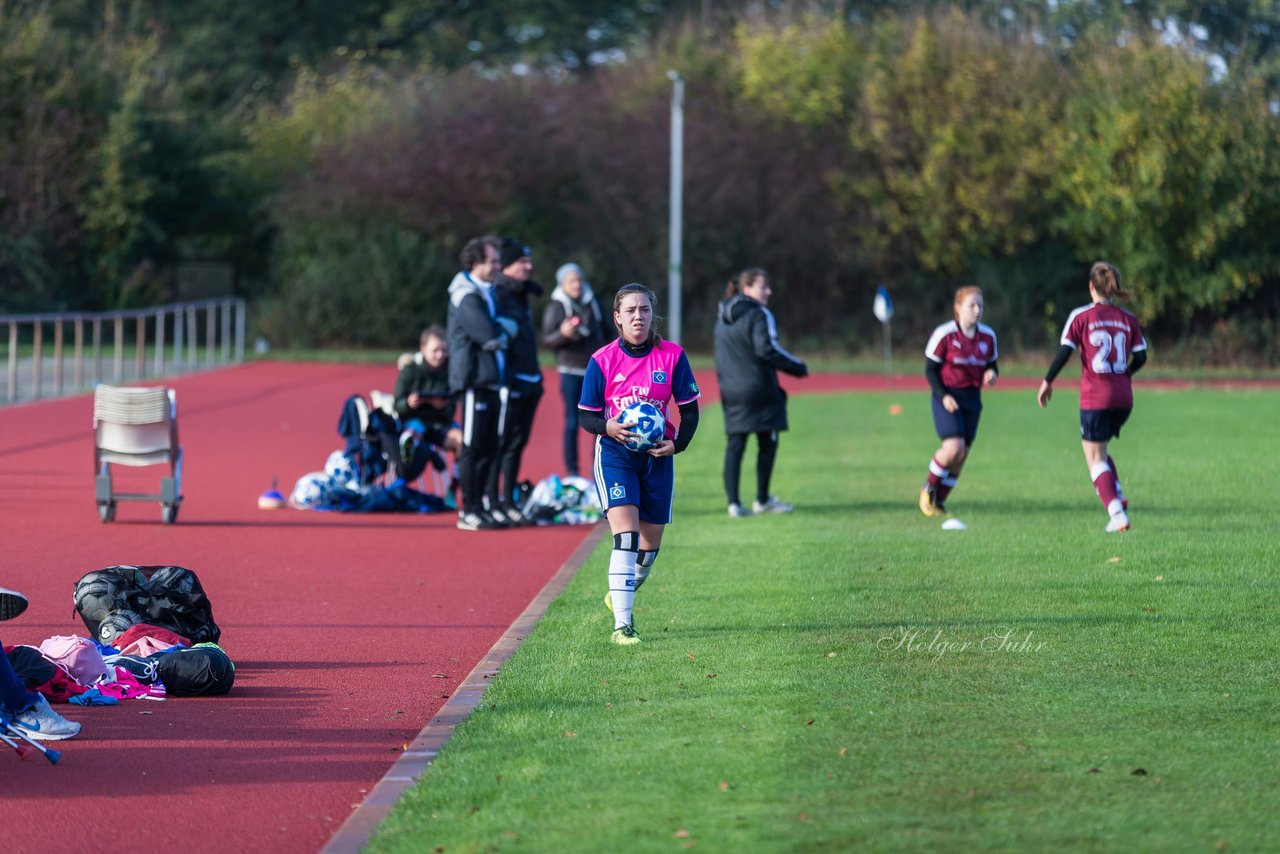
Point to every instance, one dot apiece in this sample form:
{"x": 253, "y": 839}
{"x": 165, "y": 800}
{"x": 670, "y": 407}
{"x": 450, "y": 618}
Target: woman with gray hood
{"x": 572, "y": 328}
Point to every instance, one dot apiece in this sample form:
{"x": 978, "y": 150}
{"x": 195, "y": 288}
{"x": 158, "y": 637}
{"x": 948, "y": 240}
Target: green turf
{"x": 852, "y": 676}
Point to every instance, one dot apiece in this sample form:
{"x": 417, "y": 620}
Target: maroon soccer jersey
{"x": 964, "y": 359}
{"x": 1104, "y": 335}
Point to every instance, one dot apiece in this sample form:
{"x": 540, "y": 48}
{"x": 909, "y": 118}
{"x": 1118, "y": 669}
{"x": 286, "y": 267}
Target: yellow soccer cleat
{"x": 625, "y": 636}
{"x": 927, "y": 507}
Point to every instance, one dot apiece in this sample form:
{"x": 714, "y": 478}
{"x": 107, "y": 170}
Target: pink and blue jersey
{"x": 615, "y": 379}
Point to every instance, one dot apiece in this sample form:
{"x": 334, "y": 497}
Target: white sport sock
{"x": 622, "y": 576}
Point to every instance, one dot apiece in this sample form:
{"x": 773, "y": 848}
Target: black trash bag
{"x": 167, "y": 596}
{"x": 176, "y": 600}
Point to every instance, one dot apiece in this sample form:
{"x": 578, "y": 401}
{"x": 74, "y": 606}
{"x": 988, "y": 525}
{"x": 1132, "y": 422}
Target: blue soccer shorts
{"x": 963, "y": 423}
{"x": 1100, "y": 425}
{"x": 628, "y": 477}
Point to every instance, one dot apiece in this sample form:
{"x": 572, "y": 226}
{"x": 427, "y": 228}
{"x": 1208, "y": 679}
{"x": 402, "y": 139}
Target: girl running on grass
{"x": 635, "y": 487}
{"x": 1112, "y": 350}
{"x": 960, "y": 359}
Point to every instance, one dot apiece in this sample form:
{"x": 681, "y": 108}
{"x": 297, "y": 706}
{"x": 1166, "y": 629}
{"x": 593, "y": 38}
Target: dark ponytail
{"x": 745, "y": 279}
{"x": 1105, "y": 279}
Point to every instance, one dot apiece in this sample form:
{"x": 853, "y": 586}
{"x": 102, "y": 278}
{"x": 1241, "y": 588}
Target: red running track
{"x": 348, "y": 632}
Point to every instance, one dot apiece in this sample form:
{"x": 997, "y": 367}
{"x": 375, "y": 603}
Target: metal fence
{"x": 51, "y": 355}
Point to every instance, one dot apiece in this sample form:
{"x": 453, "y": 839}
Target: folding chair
{"x": 136, "y": 427}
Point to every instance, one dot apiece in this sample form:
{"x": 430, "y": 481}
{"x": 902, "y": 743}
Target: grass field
{"x": 852, "y": 676}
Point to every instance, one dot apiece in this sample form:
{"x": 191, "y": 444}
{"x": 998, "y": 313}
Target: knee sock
{"x": 622, "y": 576}
{"x": 645, "y": 559}
{"x": 1116, "y": 474}
{"x": 944, "y": 489}
{"x": 1104, "y": 483}
{"x": 936, "y": 473}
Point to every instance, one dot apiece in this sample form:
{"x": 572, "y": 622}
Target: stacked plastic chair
{"x": 136, "y": 427}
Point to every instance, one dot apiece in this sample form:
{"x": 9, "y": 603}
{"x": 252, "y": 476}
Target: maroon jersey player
{"x": 960, "y": 359}
{"x": 1112, "y": 350}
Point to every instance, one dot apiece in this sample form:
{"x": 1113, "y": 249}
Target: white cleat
{"x": 1118, "y": 523}
{"x": 737, "y": 511}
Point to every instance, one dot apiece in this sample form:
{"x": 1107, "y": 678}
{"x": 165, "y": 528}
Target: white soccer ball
{"x": 954, "y": 525}
{"x": 648, "y": 425}
{"x": 310, "y": 491}
{"x": 342, "y": 472}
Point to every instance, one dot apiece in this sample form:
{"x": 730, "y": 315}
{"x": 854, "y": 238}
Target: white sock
{"x": 622, "y": 576}
{"x": 644, "y": 565}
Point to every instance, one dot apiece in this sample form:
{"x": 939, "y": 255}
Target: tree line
{"x": 336, "y": 155}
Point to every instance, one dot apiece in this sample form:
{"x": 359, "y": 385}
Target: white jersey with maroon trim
{"x": 964, "y": 360}
{"x": 1104, "y": 335}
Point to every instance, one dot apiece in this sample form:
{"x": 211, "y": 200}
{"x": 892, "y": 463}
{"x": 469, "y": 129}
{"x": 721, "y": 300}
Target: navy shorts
{"x": 627, "y": 477}
{"x": 963, "y": 423}
{"x": 1099, "y": 425}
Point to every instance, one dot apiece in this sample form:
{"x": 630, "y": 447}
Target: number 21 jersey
{"x": 1104, "y": 335}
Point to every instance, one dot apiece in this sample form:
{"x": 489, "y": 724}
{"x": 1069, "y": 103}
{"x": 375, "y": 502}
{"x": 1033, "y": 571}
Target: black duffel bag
{"x": 195, "y": 672}
{"x": 167, "y": 596}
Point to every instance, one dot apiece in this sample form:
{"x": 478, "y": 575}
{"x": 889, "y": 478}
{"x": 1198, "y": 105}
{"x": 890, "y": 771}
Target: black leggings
{"x": 737, "y": 445}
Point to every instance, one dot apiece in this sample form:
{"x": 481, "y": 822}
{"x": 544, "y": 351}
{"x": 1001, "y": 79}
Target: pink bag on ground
{"x": 78, "y": 656}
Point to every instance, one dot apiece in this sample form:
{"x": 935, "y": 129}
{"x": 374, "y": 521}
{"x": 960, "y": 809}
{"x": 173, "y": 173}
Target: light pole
{"x": 883, "y": 310}
{"x": 674, "y": 259}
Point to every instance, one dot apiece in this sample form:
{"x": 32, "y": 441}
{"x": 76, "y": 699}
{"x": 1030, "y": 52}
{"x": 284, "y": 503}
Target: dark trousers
{"x": 517, "y": 427}
{"x": 733, "y": 451}
{"x": 14, "y": 696}
{"x": 480, "y": 414}
{"x": 571, "y": 392}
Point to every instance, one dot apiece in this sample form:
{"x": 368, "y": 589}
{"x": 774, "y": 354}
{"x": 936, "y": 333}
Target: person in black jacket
{"x": 478, "y": 340}
{"x": 748, "y": 358}
{"x": 422, "y": 394}
{"x": 572, "y": 326}
{"x": 512, "y": 291}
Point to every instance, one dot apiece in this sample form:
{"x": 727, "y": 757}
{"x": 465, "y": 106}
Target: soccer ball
{"x": 649, "y": 425}
{"x": 342, "y": 472}
{"x": 311, "y": 491}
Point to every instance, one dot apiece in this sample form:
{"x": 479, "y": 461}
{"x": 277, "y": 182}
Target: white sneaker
{"x": 12, "y": 603}
{"x": 773, "y": 505}
{"x": 1118, "y": 522}
{"x": 42, "y": 723}
{"x": 737, "y": 511}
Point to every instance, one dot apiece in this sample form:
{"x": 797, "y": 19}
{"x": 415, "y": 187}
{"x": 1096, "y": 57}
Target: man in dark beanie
{"x": 513, "y": 290}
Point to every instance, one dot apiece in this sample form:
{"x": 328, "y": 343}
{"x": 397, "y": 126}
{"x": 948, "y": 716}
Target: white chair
{"x": 136, "y": 427}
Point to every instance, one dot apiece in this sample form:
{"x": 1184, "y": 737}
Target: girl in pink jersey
{"x": 960, "y": 359}
{"x": 635, "y": 487}
{"x": 1112, "y": 350}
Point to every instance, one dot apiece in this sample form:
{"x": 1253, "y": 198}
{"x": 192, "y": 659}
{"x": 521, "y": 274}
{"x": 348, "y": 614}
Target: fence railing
{"x": 152, "y": 342}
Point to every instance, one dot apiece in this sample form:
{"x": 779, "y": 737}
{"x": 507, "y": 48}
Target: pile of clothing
{"x": 151, "y": 663}
{"x": 151, "y": 635}
{"x": 343, "y": 488}
{"x": 562, "y": 501}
